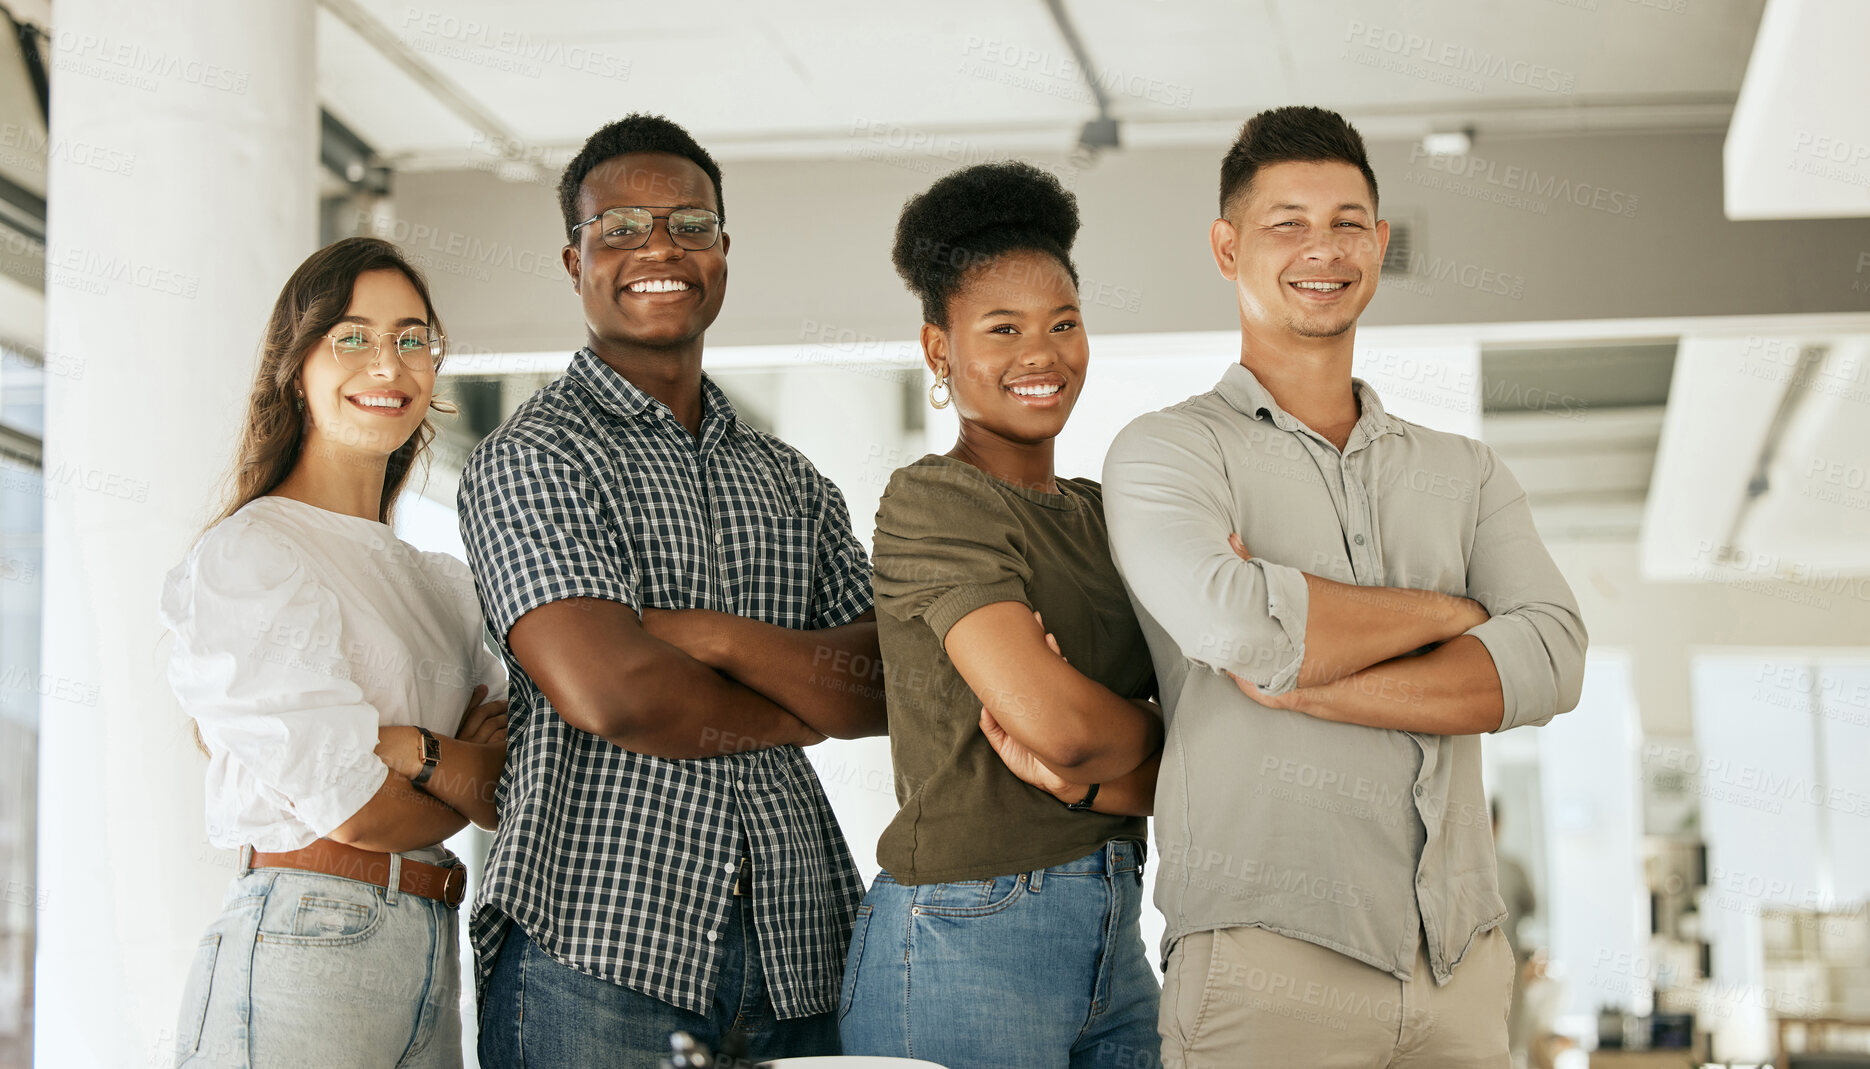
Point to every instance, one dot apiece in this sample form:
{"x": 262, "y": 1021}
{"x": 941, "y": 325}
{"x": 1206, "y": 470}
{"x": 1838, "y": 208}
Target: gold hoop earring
{"x": 941, "y": 383}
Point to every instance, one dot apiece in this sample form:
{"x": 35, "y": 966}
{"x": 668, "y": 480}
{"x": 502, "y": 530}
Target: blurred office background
{"x": 1631, "y": 251}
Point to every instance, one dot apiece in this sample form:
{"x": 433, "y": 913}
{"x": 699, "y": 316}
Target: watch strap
{"x": 1085, "y": 802}
{"x": 431, "y": 753}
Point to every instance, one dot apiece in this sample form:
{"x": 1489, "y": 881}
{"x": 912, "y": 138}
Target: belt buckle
{"x": 454, "y": 886}
{"x": 743, "y": 877}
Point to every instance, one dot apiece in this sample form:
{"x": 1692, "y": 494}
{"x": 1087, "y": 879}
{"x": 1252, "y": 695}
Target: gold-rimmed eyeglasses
{"x": 419, "y": 347}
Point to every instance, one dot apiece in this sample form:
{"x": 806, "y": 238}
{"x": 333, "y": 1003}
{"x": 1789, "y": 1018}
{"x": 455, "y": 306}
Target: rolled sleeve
{"x": 947, "y": 610}
{"x": 1536, "y": 636}
{"x": 1288, "y": 602}
{"x": 1170, "y": 510}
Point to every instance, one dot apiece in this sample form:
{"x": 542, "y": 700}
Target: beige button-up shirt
{"x": 1355, "y": 838}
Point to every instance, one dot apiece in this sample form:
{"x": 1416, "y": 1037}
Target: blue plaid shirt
{"x": 615, "y": 863}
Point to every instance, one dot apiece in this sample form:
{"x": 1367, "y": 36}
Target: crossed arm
{"x": 400, "y": 817}
{"x": 1054, "y": 727}
{"x": 1510, "y": 656}
{"x": 681, "y": 684}
{"x": 1453, "y": 689}
{"x": 830, "y": 678}
{"x": 643, "y": 685}
{"x": 1359, "y": 667}
{"x": 1450, "y": 690}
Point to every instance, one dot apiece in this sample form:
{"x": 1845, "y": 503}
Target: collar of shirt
{"x": 622, "y": 397}
{"x": 1241, "y": 388}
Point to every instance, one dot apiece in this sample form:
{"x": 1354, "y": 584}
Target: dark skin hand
{"x": 603, "y": 671}
{"x": 607, "y": 675}
{"x": 1015, "y": 324}
{"x": 830, "y": 678}
{"x": 1132, "y": 794}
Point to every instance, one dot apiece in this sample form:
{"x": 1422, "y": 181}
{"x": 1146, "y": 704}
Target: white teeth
{"x": 658, "y": 285}
{"x": 1036, "y": 391}
{"x": 380, "y": 402}
{"x": 1327, "y": 286}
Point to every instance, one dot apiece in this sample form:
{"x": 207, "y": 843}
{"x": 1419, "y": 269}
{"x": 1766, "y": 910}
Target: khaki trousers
{"x": 1250, "y": 998}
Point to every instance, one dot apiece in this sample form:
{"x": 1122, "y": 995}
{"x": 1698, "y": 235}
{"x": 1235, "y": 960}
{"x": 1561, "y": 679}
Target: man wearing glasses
{"x": 673, "y": 591}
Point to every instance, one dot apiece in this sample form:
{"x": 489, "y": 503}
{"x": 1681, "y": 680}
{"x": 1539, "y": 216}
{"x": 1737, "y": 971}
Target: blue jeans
{"x": 1037, "y": 970}
{"x": 540, "y": 1014}
{"x": 305, "y": 969}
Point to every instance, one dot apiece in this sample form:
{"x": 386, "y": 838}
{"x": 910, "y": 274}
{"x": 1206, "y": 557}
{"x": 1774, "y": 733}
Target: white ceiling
{"x": 1799, "y": 146}
{"x": 809, "y": 77}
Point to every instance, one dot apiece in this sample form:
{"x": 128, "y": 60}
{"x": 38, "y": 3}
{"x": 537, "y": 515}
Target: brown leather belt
{"x": 443, "y": 883}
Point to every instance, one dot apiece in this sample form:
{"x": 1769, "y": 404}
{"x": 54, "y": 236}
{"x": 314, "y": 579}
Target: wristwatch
{"x": 1085, "y": 802}
{"x": 432, "y": 752}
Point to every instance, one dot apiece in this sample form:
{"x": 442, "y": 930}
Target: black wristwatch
{"x": 1085, "y": 802}
{"x": 432, "y": 752}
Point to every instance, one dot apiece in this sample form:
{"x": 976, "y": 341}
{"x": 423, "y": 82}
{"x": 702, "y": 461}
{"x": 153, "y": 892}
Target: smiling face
{"x": 660, "y": 295}
{"x": 372, "y": 410}
{"x": 1014, "y": 349}
{"x": 1303, "y": 247}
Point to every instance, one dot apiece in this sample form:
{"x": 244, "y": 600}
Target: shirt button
{"x": 1418, "y": 790}
{"x": 1359, "y": 539}
{"x": 742, "y": 784}
{"x": 731, "y": 867}
{"x": 712, "y": 936}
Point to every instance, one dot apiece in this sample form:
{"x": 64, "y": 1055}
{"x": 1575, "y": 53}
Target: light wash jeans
{"x": 1040, "y": 970}
{"x": 305, "y": 969}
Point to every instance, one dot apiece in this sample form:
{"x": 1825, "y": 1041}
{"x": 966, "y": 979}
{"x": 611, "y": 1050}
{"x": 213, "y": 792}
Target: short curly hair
{"x": 635, "y": 132}
{"x": 1291, "y": 135}
{"x": 974, "y": 216}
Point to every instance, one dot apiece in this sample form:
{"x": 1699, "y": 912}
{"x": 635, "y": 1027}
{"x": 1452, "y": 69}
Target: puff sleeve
{"x": 258, "y": 662}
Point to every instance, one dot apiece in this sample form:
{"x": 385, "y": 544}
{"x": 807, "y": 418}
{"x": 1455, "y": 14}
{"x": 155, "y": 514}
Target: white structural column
{"x": 159, "y": 281}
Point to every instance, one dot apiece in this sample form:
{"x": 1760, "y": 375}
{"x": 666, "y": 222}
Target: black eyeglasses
{"x": 693, "y": 229}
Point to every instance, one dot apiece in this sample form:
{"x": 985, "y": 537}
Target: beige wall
{"x": 811, "y": 243}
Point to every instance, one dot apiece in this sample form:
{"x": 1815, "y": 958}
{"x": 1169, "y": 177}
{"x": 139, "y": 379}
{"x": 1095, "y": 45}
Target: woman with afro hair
{"x": 1004, "y": 929}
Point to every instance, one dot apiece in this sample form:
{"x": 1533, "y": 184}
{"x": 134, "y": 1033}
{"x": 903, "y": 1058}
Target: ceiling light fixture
{"x": 1449, "y": 142}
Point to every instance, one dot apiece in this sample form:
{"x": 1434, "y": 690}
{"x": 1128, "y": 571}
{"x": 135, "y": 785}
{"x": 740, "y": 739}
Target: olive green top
{"x": 950, "y": 539}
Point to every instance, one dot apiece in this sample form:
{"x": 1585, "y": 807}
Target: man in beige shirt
{"x": 1338, "y": 603}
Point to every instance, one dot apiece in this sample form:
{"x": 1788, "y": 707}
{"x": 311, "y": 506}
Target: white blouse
{"x": 298, "y": 632}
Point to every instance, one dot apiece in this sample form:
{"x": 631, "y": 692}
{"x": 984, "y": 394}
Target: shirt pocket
{"x": 768, "y": 567}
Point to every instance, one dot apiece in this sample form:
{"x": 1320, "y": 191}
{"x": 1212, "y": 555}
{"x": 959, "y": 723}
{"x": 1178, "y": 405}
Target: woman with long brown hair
{"x": 335, "y": 676}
